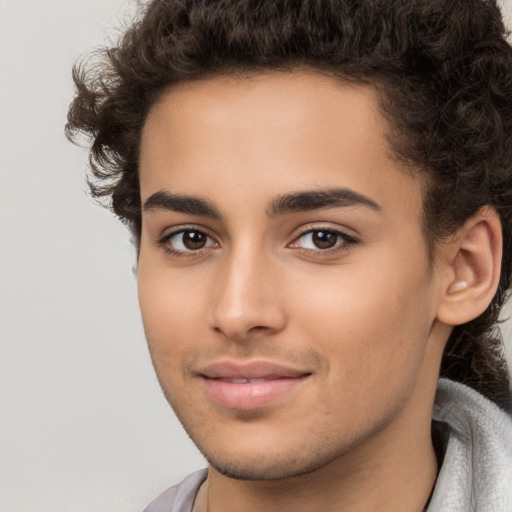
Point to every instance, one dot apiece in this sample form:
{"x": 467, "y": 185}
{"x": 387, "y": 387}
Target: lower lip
{"x": 250, "y": 395}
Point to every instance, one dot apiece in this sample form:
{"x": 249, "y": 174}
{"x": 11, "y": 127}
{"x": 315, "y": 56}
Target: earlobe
{"x": 473, "y": 268}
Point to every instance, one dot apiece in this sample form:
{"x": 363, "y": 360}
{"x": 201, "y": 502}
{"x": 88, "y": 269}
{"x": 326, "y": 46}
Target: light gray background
{"x": 83, "y": 425}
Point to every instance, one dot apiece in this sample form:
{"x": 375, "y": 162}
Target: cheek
{"x": 170, "y": 308}
{"x": 371, "y": 322}
{"x": 374, "y": 344}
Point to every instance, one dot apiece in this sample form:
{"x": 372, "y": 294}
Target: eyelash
{"x": 346, "y": 243}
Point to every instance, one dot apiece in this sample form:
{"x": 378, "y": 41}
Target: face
{"x": 284, "y": 282}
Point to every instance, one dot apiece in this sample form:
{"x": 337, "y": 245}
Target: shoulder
{"x": 179, "y": 498}
{"x": 477, "y": 469}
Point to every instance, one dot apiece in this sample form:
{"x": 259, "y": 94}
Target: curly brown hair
{"x": 443, "y": 70}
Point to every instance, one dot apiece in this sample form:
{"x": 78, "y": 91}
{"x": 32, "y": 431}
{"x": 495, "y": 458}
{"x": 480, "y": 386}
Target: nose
{"x": 247, "y": 298}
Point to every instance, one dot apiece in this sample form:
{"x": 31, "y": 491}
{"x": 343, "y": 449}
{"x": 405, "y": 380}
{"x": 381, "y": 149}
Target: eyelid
{"x": 348, "y": 234}
{"x": 176, "y": 228}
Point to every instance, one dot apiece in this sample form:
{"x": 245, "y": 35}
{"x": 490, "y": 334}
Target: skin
{"x": 360, "y": 318}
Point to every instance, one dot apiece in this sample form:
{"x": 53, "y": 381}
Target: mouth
{"x": 250, "y": 385}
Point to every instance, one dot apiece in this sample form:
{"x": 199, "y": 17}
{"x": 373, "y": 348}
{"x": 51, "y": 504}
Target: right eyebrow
{"x": 163, "y": 200}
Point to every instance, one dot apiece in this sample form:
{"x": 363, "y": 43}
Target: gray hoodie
{"x": 476, "y": 475}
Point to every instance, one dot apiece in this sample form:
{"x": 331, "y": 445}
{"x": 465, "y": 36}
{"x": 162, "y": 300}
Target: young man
{"x": 321, "y": 198}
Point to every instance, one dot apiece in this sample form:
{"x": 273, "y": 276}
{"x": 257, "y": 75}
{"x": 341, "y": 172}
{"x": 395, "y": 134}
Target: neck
{"x": 391, "y": 472}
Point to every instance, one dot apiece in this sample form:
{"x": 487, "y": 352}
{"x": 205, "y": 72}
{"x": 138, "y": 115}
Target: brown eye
{"x": 324, "y": 239}
{"x": 194, "y": 240}
{"x": 187, "y": 241}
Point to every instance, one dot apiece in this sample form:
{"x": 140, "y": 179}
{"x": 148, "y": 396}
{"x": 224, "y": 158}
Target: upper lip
{"x": 250, "y": 370}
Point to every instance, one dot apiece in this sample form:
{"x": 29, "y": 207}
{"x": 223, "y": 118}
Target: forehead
{"x": 271, "y": 132}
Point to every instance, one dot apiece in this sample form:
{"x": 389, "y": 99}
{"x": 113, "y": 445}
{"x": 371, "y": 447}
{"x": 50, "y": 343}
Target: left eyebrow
{"x": 318, "y": 199}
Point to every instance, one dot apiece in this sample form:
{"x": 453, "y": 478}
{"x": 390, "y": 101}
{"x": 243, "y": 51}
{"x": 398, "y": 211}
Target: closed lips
{"x": 251, "y": 385}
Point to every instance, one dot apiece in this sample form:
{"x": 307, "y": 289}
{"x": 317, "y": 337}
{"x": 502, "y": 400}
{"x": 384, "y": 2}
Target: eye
{"x": 319, "y": 240}
{"x": 322, "y": 240}
{"x": 186, "y": 241}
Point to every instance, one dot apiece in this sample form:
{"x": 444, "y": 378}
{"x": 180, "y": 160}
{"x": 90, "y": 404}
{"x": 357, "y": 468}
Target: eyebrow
{"x": 286, "y": 203}
{"x": 163, "y": 200}
{"x": 318, "y": 199}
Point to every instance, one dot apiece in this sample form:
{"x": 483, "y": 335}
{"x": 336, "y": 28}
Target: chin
{"x": 276, "y": 466}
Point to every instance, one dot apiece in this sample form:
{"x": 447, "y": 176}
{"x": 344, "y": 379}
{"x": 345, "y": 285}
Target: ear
{"x": 472, "y": 263}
